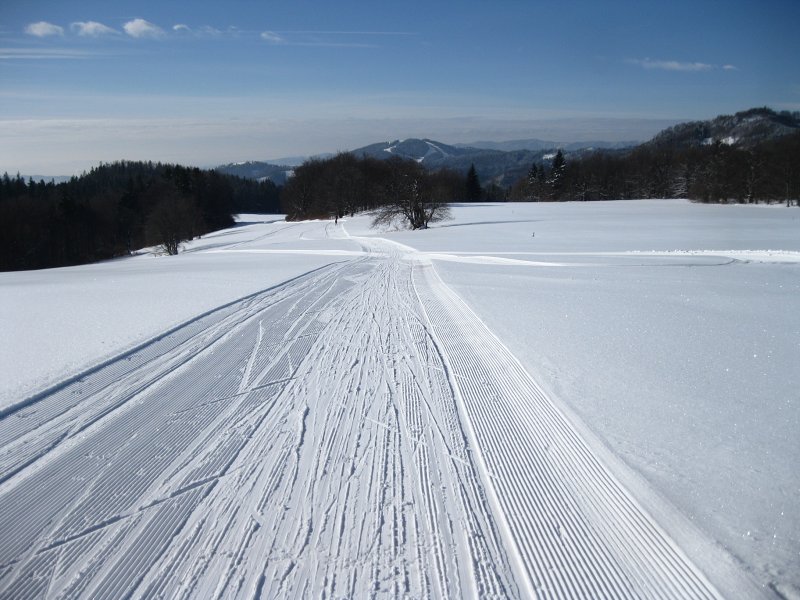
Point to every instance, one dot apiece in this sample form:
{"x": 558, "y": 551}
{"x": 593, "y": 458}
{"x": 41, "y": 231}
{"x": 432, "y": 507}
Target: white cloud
{"x": 205, "y": 31}
{"x": 92, "y": 29}
{"x": 43, "y": 29}
{"x": 139, "y": 28}
{"x": 272, "y": 37}
{"x": 671, "y": 65}
{"x": 674, "y": 65}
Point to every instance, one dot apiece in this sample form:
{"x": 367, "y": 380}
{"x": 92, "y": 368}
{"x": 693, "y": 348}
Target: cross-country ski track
{"x": 354, "y": 432}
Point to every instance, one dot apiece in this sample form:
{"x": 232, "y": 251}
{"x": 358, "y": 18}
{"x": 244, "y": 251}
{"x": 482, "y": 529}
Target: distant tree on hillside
{"x": 173, "y": 220}
{"x": 474, "y": 192}
{"x": 557, "y": 175}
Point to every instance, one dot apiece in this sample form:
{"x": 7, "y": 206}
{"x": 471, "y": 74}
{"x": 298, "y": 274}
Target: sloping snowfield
{"x": 573, "y": 400}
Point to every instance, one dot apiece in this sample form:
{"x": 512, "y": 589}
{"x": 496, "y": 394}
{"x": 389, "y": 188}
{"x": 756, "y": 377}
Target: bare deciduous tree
{"x": 172, "y": 221}
{"x": 413, "y": 196}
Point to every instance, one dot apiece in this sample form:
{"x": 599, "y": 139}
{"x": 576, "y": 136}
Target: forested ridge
{"x": 768, "y": 171}
{"x": 117, "y": 208}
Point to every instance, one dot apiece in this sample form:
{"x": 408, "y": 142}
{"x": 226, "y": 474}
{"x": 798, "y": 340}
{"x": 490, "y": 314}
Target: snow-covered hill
{"x": 593, "y": 399}
{"x": 744, "y": 129}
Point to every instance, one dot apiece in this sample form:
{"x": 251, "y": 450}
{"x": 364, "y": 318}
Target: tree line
{"x": 395, "y": 189}
{"x": 115, "y": 209}
{"x": 719, "y": 173}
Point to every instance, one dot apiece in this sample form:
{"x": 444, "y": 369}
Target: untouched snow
{"x": 571, "y": 400}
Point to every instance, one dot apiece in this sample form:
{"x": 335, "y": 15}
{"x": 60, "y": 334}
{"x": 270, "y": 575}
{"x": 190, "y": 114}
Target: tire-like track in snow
{"x": 355, "y": 432}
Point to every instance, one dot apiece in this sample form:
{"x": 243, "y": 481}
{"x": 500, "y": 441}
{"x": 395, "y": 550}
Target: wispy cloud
{"x": 139, "y": 28}
{"x": 670, "y": 65}
{"x": 142, "y": 29}
{"x": 675, "y": 65}
{"x": 272, "y": 37}
{"x": 205, "y": 31}
{"x": 92, "y": 29}
{"x": 43, "y": 29}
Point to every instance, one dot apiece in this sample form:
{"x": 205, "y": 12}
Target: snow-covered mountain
{"x": 421, "y": 150}
{"x": 495, "y": 165}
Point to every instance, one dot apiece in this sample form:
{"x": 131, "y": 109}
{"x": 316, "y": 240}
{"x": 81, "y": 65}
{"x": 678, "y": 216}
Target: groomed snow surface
{"x": 570, "y": 400}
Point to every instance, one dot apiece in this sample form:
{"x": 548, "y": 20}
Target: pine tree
{"x": 474, "y": 190}
{"x": 533, "y": 174}
{"x": 557, "y": 174}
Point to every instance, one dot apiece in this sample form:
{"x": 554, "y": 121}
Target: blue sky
{"x": 206, "y": 83}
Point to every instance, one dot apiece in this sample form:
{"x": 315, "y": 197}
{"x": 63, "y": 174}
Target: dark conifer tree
{"x": 474, "y": 191}
{"x": 557, "y": 175}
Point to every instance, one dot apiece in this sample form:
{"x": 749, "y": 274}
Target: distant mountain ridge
{"x": 506, "y": 162}
{"x": 537, "y": 144}
{"x": 503, "y": 167}
{"x": 744, "y": 129}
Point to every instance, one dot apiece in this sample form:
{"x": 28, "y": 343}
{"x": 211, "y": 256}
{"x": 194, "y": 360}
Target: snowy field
{"x": 564, "y": 400}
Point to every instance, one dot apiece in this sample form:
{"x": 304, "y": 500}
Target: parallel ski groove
{"x": 579, "y": 532}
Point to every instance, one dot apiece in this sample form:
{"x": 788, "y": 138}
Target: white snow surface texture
{"x": 576, "y": 400}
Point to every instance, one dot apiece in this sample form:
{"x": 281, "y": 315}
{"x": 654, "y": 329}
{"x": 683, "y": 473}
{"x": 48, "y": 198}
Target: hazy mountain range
{"x": 506, "y": 161}
{"x": 502, "y": 166}
{"x": 537, "y": 144}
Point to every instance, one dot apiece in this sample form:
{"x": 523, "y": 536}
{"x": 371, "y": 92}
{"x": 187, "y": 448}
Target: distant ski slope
{"x": 354, "y": 432}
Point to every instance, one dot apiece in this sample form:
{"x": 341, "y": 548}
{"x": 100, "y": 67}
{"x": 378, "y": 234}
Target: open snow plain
{"x": 572, "y": 400}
